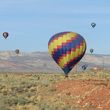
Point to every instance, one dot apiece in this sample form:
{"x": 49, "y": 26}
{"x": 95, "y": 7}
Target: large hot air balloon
{"x": 93, "y": 24}
{"x": 67, "y": 49}
{"x": 5, "y": 35}
{"x": 17, "y": 51}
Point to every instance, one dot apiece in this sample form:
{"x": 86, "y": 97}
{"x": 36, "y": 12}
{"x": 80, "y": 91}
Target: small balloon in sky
{"x": 84, "y": 67}
{"x": 93, "y": 24}
{"x": 67, "y": 49}
{"x": 91, "y": 50}
{"x": 17, "y": 51}
{"x": 5, "y": 34}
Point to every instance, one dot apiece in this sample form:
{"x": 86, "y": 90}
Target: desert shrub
{"x": 11, "y": 101}
{"x": 3, "y": 104}
{"x": 54, "y": 106}
{"x": 52, "y": 89}
{"x": 45, "y": 82}
{"x": 22, "y": 101}
{"x": 4, "y": 107}
{"x": 15, "y": 100}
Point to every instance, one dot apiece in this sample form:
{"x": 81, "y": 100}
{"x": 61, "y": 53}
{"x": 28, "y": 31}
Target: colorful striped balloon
{"x": 67, "y": 49}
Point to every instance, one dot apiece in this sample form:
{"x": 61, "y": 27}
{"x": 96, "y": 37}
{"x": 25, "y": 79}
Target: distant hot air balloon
{"x": 5, "y": 35}
{"x": 67, "y": 49}
{"x": 91, "y": 50}
{"x": 93, "y": 24}
{"x": 84, "y": 67}
{"x": 17, "y": 51}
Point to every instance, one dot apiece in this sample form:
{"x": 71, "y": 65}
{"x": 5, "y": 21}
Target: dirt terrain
{"x": 90, "y": 94}
{"x": 38, "y": 91}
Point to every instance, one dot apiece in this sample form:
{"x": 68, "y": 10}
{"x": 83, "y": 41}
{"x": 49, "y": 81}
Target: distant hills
{"x": 42, "y": 62}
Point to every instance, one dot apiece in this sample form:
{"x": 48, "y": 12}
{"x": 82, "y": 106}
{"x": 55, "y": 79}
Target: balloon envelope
{"x": 84, "y": 67}
{"x": 67, "y": 49}
{"x": 17, "y": 51}
{"x": 5, "y": 35}
{"x": 93, "y": 24}
{"x": 91, "y": 50}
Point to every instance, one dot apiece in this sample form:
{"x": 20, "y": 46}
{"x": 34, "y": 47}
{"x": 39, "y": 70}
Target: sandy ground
{"x": 89, "y": 94}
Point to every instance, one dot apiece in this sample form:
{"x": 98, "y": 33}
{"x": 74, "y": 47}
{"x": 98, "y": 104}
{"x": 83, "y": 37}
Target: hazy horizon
{"x": 49, "y": 54}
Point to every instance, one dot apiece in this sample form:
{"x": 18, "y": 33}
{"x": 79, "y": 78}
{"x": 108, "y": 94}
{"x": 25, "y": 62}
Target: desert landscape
{"x": 89, "y": 90}
{"x": 54, "y": 55}
{"x": 33, "y": 81}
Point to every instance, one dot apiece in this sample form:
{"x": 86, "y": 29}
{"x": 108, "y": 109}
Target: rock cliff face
{"x": 42, "y": 62}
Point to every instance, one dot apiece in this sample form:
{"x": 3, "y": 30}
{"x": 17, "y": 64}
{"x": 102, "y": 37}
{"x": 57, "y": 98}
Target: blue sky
{"x": 31, "y": 23}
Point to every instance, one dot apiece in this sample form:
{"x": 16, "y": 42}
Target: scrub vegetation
{"x": 87, "y": 90}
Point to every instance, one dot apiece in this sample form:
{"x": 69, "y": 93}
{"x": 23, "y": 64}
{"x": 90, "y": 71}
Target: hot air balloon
{"x": 67, "y": 49}
{"x": 91, "y": 50}
{"x": 17, "y": 51}
{"x": 93, "y": 24}
{"x": 84, "y": 67}
{"x": 5, "y": 35}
